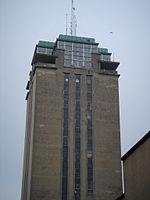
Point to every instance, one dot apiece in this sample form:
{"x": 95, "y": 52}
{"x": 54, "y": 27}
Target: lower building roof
{"x": 139, "y": 143}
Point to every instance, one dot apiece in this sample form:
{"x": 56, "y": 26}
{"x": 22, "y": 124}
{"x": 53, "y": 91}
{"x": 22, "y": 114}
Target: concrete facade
{"x": 136, "y": 164}
{"x": 42, "y": 173}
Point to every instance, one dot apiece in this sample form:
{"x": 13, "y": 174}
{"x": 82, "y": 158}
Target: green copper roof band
{"x": 76, "y": 39}
{"x": 103, "y": 51}
{"x": 46, "y": 44}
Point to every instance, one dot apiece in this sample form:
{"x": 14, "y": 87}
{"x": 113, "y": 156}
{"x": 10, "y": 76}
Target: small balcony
{"x": 108, "y": 67}
{"x": 43, "y": 55}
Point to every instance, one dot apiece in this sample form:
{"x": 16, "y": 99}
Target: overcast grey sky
{"x": 24, "y": 22}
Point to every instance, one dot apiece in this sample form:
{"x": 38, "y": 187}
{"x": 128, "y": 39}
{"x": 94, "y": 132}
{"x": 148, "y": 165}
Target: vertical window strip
{"x": 65, "y": 137}
{"x": 77, "y": 135}
{"x": 89, "y": 136}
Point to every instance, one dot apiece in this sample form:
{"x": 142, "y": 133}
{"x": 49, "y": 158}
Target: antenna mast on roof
{"x": 73, "y": 28}
{"x": 66, "y": 24}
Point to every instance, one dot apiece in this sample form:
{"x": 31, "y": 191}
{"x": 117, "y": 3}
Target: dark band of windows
{"x": 65, "y": 137}
{"x": 89, "y": 136}
{"x": 77, "y": 135}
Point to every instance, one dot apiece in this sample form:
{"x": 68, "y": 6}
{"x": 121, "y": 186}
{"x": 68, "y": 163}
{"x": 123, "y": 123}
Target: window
{"x": 105, "y": 57}
{"x": 76, "y": 54}
{"x": 68, "y": 48}
{"x": 46, "y": 51}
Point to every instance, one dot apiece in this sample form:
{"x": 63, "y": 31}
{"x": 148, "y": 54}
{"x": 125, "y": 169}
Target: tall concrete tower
{"x": 72, "y": 140}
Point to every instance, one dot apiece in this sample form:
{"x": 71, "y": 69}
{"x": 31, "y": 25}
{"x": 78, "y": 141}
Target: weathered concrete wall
{"x": 46, "y": 163}
{"x": 107, "y": 170}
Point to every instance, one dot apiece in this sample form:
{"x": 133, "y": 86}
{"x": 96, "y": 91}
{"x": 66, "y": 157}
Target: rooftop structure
{"x": 77, "y": 52}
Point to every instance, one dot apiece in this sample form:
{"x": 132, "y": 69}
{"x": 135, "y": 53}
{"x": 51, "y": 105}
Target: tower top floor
{"x": 78, "y": 52}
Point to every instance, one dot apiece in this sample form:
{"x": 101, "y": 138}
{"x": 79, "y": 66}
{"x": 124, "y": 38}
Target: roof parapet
{"x": 46, "y": 44}
{"x": 103, "y": 51}
{"x": 76, "y": 39}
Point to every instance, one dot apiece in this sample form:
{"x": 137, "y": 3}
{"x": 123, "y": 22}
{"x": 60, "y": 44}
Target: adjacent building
{"x": 72, "y": 139}
{"x": 136, "y": 164}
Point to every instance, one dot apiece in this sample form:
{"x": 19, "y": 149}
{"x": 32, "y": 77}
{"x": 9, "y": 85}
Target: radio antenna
{"x": 73, "y": 28}
{"x": 66, "y": 24}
